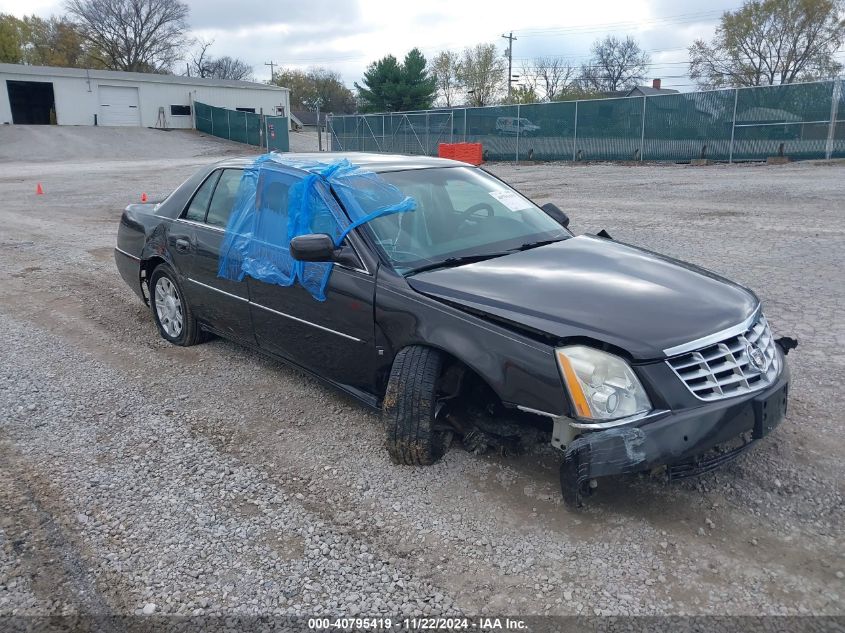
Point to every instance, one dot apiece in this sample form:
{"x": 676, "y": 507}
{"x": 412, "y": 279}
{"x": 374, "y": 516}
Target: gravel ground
{"x": 138, "y": 477}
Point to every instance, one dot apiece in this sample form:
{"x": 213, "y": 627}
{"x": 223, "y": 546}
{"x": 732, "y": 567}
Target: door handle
{"x": 183, "y": 245}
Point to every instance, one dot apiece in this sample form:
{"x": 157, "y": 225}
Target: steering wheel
{"x": 466, "y": 215}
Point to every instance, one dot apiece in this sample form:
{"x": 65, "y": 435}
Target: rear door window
{"x": 223, "y": 200}
{"x": 199, "y": 203}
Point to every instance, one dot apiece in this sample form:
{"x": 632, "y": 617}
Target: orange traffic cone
{"x": 143, "y": 197}
{"x": 39, "y": 190}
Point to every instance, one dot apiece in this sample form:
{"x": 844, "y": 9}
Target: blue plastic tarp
{"x": 276, "y": 202}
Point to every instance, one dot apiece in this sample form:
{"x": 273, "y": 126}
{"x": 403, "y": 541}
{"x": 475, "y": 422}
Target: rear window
{"x": 224, "y": 197}
{"x": 199, "y": 204}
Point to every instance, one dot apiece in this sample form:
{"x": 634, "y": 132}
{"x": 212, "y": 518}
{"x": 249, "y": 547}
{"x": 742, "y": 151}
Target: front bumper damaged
{"x": 679, "y": 440}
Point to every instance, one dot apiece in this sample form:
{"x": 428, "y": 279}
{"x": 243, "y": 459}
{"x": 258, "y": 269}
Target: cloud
{"x": 347, "y": 35}
{"x": 252, "y": 13}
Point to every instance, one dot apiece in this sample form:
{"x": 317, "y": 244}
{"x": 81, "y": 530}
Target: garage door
{"x": 119, "y": 106}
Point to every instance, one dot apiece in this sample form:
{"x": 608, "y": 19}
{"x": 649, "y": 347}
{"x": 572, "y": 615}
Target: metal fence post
{"x": 575, "y": 137}
{"x": 246, "y": 131}
{"x": 834, "y": 112}
{"x": 642, "y": 136}
{"x": 383, "y": 135}
{"x": 427, "y": 150}
{"x": 229, "y": 124}
{"x": 211, "y": 116}
{"x": 733, "y": 127}
{"x": 517, "y": 133}
{"x": 465, "y": 125}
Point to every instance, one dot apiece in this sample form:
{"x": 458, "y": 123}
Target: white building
{"x": 78, "y": 96}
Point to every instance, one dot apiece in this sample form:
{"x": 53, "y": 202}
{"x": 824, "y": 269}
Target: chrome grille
{"x": 726, "y": 368}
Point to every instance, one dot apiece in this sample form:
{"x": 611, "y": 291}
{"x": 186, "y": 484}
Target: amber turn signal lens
{"x": 574, "y": 387}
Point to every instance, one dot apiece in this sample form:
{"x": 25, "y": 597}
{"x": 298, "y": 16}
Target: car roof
{"x": 367, "y": 160}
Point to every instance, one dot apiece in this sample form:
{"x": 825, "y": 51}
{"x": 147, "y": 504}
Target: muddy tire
{"x": 173, "y": 316}
{"x": 409, "y": 406}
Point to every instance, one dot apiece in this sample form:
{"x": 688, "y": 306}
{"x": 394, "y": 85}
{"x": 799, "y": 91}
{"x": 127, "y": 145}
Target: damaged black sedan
{"x": 432, "y": 290}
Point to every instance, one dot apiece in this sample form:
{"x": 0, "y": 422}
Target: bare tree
{"x": 771, "y": 42}
{"x": 551, "y": 76}
{"x": 203, "y": 64}
{"x": 615, "y": 64}
{"x": 231, "y": 68}
{"x": 135, "y": 35}
{"x": 483, "y": 74}
{"x": 446, "y": 68}
{"x": 201, "y": 61}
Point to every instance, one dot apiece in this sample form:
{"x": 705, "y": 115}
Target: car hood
{"x": 591, "y": 287}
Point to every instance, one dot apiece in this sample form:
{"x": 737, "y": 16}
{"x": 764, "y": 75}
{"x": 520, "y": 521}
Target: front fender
{"x": 521, "y": 371}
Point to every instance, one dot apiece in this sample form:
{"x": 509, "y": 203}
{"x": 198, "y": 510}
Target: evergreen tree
{"x": 420, "y": 86}
{"x": 389, "y": 86}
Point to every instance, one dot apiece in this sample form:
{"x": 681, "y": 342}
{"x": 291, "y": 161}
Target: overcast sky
{"x": 346, "y": 35}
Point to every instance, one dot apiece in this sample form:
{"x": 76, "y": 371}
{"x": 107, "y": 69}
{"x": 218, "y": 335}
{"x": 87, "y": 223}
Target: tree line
{"x": 764, "y": 42}
{"x": 129, "y": 35}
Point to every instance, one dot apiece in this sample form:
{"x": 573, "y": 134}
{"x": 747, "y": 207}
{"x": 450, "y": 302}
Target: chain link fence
{"x": 243, "y": 127}
{"x": 802, "y": 121}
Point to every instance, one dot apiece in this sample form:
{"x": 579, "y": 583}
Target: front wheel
{"x": 409, "y": 407}
{"x": 173, "y": 316}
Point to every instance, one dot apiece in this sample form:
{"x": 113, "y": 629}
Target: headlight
{"x": 601, "y": 386}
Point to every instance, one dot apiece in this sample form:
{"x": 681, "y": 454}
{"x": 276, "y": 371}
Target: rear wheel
{"x": 171, "y": 312}
{"x": 410, "y": 406}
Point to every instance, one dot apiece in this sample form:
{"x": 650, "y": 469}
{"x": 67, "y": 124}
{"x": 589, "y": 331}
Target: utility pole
{"x": 510, "y": 38}
{"x": 272, "y": 65}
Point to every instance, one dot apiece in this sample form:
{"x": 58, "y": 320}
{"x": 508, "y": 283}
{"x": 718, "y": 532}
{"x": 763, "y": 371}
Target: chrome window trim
{"x": 717, "y": 337}
{"x": 228, "y": 294}
{"x": 129, "y": 255}
{"x": 200, "y": 224}
{"x": 293, "y": 318}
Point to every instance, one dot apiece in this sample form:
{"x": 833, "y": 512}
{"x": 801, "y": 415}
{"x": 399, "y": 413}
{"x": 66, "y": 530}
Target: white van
{"x": 514, "y": 125}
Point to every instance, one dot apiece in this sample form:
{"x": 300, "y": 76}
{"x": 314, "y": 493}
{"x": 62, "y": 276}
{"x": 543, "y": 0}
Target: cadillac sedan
{"x": 470, "y": 314}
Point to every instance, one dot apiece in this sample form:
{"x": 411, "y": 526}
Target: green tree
{"x": 420, "y": 86}
{"x": 445, "y": 68}
{"x": 11, "y": 41}
{"x": 316, "y": 86}
{"x": 55, "y": 41}
{"x": 522, "y": 95}
{"x": 767, "y": 42}
{"x": 483, "y": 74}
{"x": 389, "y": 86}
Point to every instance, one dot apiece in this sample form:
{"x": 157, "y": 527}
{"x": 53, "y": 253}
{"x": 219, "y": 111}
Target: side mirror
{"x": 319, "y": 247}
{"x": 316, "y": 247}
{"x": 554, "y": 212}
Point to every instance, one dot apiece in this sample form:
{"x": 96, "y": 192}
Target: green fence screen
{"x": 243, "y": 127}
{"x": 797, "y": 120}
{"x": 277, "y": 133}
